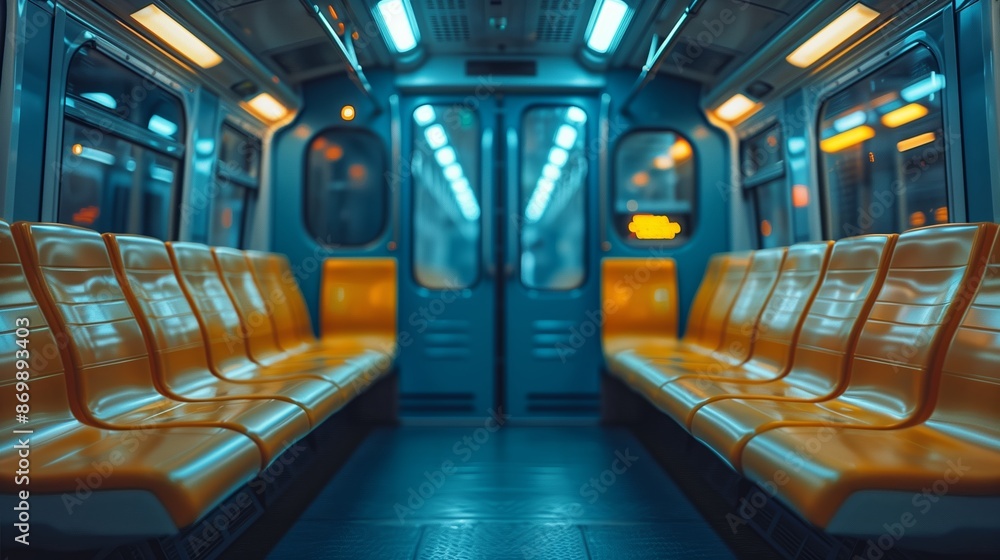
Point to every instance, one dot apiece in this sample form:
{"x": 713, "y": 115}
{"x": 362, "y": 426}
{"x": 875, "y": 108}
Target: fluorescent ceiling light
{"x": 566, "y": 136}
{"x": 832, "y": 36}
{"x": 424, "y": 115}
{"x": 847, "y": 139}
{"x": 735, "y": 107}
{"x": 162, "y": 126}
{"x": 445, "y": 156}
{"x": 916, "y": 141}
{"x": 398, "y": 24}
{"x": 267, "y": 107}
{"x": 551, "y": 172}
{"x": 558, "y": 156}
{"x": 611, "y": 19}
{"x": 453, "y": 172}
{"x": 847, "y": 122}
{"x": 576, "y": 115}
{"x": 93, "y": 154}
{"x": 928, "y": 86}
{"x": 158, "y": 173}
{"x": 436, "y": 136}
{"x": 177, "y": 36}
{"x": 101, "y": 98}
{"x": 903, "y": 115}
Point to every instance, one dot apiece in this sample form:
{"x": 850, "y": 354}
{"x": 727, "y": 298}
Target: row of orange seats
{"x": 160, "y": 377}
{"x": 856, "y": 381}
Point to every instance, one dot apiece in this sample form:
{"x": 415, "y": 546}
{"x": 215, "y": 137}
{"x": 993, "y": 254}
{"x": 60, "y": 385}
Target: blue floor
{"x": 517, "y": 493}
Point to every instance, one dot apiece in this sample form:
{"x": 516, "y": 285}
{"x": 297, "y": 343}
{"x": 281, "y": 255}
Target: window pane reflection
{"x": 553, "y": 185}
{"x": 346, "y": 189}
{"x": 654, "y": 176}
{"x": 883, "y": 150}
{"x": 447, "y": 213}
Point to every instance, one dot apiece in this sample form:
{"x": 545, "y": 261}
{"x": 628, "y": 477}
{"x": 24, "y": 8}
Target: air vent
{"x": 447, "y": 340}
{"x": 501, "y": 68}
{"x": 564, "y": 403}
{"x": 557, "y": 21}
{"x": 759, "y": 89}
{"x": 436, "y": 403}
{"x": 550, "y": 339}
{"x": 449, "y": 28}
{"x": 445, "y": 4}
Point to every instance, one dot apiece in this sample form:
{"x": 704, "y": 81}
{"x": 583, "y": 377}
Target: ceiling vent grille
{"x": 449, "y": 28}
{"x": 557, "y": 20}
{"x": 445, "y": 4}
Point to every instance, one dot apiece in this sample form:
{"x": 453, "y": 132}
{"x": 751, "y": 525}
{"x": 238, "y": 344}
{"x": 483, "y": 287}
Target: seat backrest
{"x": 268, "y": 276}
{"x": 844, "y": 299}
{"x": 359, "y": 297}
{"x": 25, "y": 335}
{"x": 731, "y": 277}
{"x": 703, "y": 297}
{"x": 109, "y": 369}
{"x": 639, "y": 298}
{"x": 150, "y": 284}
{"x": 752, "y": 296}
{"x": 296, "y": 299}
{"x": 968, "y": 402}
{"x": 254, "y": 311}
{"x": 778, "y": 327}
{"x": 926, "y": 291}
{"x": 200, "y": 280}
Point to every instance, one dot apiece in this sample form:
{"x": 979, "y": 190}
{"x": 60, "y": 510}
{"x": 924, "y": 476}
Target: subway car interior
{"x": 500, "y": 279}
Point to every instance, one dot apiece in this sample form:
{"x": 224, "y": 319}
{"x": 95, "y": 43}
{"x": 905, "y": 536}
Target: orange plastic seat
{"x": 861, "y": 479}
{"x": 160, "y": 479}
{"x": 111, "y": 377}
{"x": 358, "y": 305}
{"x": 717, "y": 293}
{"x": 288, "y": 326}
{"x": 825, "y": 339}
{"x": 226, "y": 334}
{"x": 177, "y": 346}
{"x": 898, "y": 356}
{"x": 773, "y": 340}
{"x": 651, "y": 373}
{"x": 639, "y": 301}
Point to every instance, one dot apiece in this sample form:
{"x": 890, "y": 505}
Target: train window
{"x": 654, "y": 188}
{"x": 762, "y": 163}
{"x": 121, "y": 156}
{"x": 346, "y": 190}
{"x": 553, "y": 183}
{"x": 236, "y": 180}
{"x": 883, "y": 150}
{"x": 446, "y": 169}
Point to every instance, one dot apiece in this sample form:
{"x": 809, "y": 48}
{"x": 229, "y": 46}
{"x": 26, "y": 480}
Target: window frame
{"x": 872, "y": 64}
{"x": 88, "y": 116}
{"x": 613, "y": 192}
{"x": 762, "y": 177}
{"x": 250, "y": 186}
{"x": 386, "y": 185}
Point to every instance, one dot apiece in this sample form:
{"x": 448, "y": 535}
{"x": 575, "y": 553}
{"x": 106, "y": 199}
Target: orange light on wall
{"x": 649, "y": 226}
{"x": 347, "y": 112}
{"x": 941, "y": 215}
{"x": 918, "y": 219}
{"x": 357, "y": 172}
{"x": 227, "y": 218}
{"x": 847, "y": 139}
{"x": 663, "y": 163}
{"x": 77, "y": 149}
{"x": 334, "y": 152}
{"x": 640, "y": 179}
{"x": 765, "y": 228}
{"x": 903, "y": 115}
{"x": 681, "y": 150}
{"x": 916, "y": 141}
{"x": 800, "y": 196}
{"x": 86, "y": 215}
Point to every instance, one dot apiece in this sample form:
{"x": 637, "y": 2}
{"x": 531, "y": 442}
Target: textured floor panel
{"x": 502, "y": 541}
{"x": 674, "y": 541}
{"x": 520, "y": 492}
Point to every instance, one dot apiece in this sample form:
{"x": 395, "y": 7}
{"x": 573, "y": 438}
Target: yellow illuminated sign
{"x": 648, "y": 226}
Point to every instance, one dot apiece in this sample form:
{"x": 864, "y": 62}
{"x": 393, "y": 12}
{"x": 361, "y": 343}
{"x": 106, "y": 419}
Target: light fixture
{"x": 832, "y": 36}
{"x": 453, "y": 172}
{"x": 576, "y": 115}
{"x": 612, "y": 18}
{"x": 101, "y": 98}
{"x": 177, "y": 36}
{"x": 347, "y": 112}
{"x": 849, "y": 121}
{"x": 681, "y": 150}
{"x": 735, "y": 107}
{"x": 566, "y": 136}
{"x": 424, "y": 115}
{"x": 267, "y": 107}
{"x": 916, "y": 141}
{"x": 399, "y": 24}
{"x": 903, "y": 115}
{"x": 650, "y": 226}
{"x": 847, "y": 139}
{"x": 551, "y": 172}
{"x": 162, "y": 126}
{"x": 928, "y": 86}
{"x": 800, "y": 196}
{"x": 445, "y": 156}
{"x": 436, "y": 136}
{"x": 558, "y": 156}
